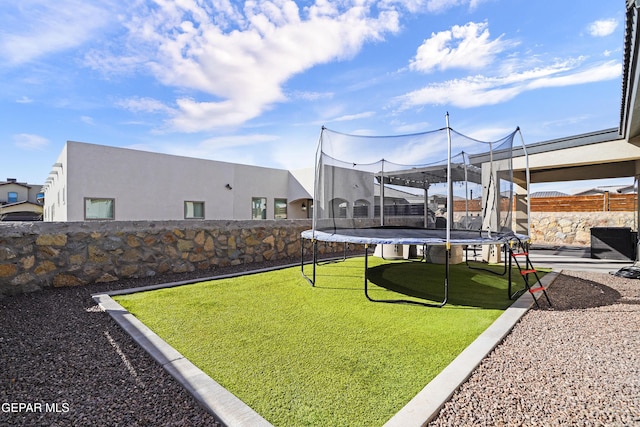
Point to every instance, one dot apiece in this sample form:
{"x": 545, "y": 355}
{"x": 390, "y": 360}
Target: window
{"x": 338, "y": 208}
{"x": 361, "y": 209}
{"x": 12, "y": 197}
{"x": 280, "y": 208}
{"x": 99, "y": 208}
{"x": 193, "y": 210}
{"x": 258, "y": 208}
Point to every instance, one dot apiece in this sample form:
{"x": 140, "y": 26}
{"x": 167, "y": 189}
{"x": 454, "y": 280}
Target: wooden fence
{"x": 606, "y": 202}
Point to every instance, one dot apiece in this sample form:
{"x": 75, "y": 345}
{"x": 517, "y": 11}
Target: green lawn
{"x": 324, "y": 355}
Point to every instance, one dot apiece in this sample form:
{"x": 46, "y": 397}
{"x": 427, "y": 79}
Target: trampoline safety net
{"x": 436, "y": 179}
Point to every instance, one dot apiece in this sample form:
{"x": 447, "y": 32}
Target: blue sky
{"x": 252, "y": 82}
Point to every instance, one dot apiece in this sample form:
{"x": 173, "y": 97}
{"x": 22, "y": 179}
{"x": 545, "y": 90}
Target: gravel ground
{"x": 65, "y": 363}
{"x": 69, "y": 364}
{"x": 575, "y": 365}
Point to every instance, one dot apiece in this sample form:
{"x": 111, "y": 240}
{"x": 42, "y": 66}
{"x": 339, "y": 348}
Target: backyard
{"x": 325, "y": 355}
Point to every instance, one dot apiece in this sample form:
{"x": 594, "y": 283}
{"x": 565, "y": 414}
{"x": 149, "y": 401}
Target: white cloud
{"x": 87, "y": 120}
{"x": 442, "y": 5}
{"x": 491, "y": 133}
{"x": 141, "y": 104}
{"x": 467, "y": 46}
{"x": 480, "y": 90}
{"x": 29, "y": 141}
{"x": 470, "y": 47}
{"x": 603, "y": 27}
{"x": 34, "y": 28}
{"x": 336, "y": 113}
{"x": 594, "y": 73}
{"x": 431, "y": 6}
{"x": 240, "y": 59}
{"x": 225, "y": 148}
{"x": 236, "y": 141}
{"x": 312, "y": 96}
{"x": 438, "y": 6}
{"x": 350, "y": 117}
{"x": 411, "y": 127}
{"x": 195, "y": 116}
{"x": 24, "y": 100}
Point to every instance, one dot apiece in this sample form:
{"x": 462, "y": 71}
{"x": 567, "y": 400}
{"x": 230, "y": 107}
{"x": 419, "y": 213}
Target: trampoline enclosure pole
{"x": 449, "y": 187}
{"x": 528, "y": 179}
{"x": 382, "y": 195}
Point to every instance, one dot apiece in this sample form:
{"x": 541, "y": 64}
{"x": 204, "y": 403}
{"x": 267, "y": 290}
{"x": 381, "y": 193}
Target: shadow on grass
{"x": 467, "y": 287}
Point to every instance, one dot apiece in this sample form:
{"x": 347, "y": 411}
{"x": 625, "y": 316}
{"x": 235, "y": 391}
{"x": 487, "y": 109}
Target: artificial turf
{"x": 324, "y": 355}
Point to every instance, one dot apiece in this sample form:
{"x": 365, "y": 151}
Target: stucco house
{"x": 96, "y": 182}
{"x": 618, "y": 189}
{"x": 20, "y": 201}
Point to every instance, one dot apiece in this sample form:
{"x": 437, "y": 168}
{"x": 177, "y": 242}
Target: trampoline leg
{"x": 404, "y": 301}
{"x": 302, "y": 255}
{"x": 366, "y": 268}
{"x": 446, "y": 277}
{"x": 312, "y": 282}
{"x": 315, "y": 260}
{"x": 486, "y": 269}
{"x": 509, "y": 277}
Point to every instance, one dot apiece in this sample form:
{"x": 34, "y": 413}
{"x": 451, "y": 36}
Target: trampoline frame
{"x": 315, "y": 236}
{"x": 508, "y": 266}
{"x": 426, "y": 236}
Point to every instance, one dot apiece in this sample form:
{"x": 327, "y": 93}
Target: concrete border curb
{"x": 225, "y": 406}
{"x": 212, "y": 396}
{"x": 425, "y": 406}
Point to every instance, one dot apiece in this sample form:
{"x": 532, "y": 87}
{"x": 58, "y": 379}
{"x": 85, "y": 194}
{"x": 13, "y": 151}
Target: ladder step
{"x": 539, "y": 288}
{"x": 525, "y": 272}
{"x": 519, "y": 253}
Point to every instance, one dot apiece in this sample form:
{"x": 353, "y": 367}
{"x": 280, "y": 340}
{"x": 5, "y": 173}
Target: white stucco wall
{"x": 55, "y": 190}
{"x": 340, "y": 184}
{"x": 154, "y": 186}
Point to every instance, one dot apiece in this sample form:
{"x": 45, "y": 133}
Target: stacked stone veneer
{"x": 38, "y": 255}
{"x": 574, "y": 228}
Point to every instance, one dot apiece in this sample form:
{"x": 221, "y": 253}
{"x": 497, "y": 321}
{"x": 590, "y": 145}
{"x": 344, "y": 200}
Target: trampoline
{"x": 412, "y": 236}
{"x": 424, "y": 197}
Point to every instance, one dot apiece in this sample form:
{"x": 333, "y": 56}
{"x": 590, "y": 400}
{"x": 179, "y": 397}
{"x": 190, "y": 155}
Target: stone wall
{"x": 574, "y": 228}
{"x": 38, "y": 255}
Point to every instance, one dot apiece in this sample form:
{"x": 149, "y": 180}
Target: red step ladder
{"x": 526, "y": 269}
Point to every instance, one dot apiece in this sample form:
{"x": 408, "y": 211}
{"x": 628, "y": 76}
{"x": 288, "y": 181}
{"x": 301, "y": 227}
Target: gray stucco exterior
{"x": 154, "y": 186}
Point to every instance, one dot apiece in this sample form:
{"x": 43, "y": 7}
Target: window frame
{"x": 275, "y": 208}
{"x": 361, "y": 208}
{"x": 13, "y": 199}
{"x": 263, "y": 213}
{"x": 194, "y": 202}
{"x": 113, "y": 208}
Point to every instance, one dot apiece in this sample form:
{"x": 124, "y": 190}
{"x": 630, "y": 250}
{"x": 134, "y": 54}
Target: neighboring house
{"x": 20, "y": 201}
{"x": 544, "y": 194}
{"x": 95, "y": 182}
{"x": 619, "y": 189}
{"x": 394, "y": 197}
